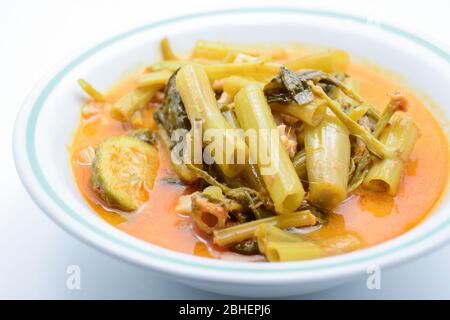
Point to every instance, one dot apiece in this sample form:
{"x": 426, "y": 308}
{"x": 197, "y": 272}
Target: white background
{"x": 35, "y": 253}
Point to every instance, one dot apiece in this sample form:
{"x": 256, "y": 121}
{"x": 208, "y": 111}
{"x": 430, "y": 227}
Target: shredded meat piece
{"x": 398, "y": 101}
{"x": 287, "y": 135}
{"x": 288, "y": 139}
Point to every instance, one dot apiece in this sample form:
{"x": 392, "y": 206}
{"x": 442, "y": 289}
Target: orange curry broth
{"x": 374, "y": 217}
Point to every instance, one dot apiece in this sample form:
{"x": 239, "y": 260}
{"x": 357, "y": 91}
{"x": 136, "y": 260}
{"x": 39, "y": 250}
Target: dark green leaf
{"x": 247, "y": 247}
{"x": 145, "y": 135}
{"x": 172, "y": 114}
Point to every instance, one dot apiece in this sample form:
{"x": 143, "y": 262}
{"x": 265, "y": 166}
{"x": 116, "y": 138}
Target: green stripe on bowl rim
{"x": 40, "y": 101}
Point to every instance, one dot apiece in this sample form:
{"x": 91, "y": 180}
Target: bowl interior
{"x": 51, "y": 115}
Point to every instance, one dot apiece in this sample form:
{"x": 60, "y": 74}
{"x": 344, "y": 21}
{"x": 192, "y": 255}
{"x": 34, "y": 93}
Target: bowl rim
{"x": 180, "y": 264}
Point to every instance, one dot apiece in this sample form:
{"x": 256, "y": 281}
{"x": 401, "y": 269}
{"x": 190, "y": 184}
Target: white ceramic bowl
{"x": 50, "y": 115}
